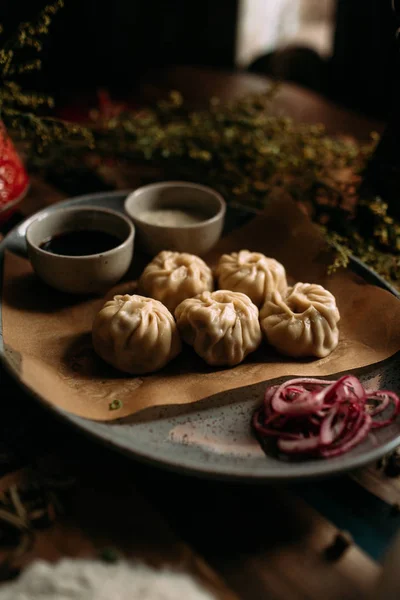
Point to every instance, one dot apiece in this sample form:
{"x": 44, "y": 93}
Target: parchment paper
{"x": 47, "y": 334}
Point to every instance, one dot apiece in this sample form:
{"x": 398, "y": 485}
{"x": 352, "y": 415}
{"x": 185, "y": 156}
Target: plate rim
{"x": 201, "y": 471}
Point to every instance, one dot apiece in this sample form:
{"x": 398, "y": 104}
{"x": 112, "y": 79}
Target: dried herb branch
{"x": 19, "y": 109}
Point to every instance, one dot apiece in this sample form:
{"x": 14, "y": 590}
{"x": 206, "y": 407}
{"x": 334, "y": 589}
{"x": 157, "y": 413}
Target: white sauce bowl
{"x": 196, "y": 238}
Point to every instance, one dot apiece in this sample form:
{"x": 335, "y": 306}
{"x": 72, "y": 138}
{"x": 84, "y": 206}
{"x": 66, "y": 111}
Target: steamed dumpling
{"x": 304, "y": 323}
{"x": 251, "y": 273}
{"x": 174, "y": 276}
{"x": 135, "y": 334}
{"x": 222, "y": 326}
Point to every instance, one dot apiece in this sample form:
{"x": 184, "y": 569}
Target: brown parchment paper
{"x": 47, "y": 334}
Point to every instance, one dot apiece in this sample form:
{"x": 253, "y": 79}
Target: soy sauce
{"x": 80, "y": 243}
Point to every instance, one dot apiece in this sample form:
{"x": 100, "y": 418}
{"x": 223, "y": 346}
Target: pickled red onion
{"x": 322, "y": 417}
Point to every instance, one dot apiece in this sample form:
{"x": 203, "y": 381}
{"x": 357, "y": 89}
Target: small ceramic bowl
{"x": 196, "y": 238}
{"x": 92, "y": 273}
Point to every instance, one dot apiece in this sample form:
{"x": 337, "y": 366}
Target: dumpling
{"x": 174, "y": 276}
{"x": 251, "y": 273}
{"x": 222, "y": 326}
{"x": 135, "y": 334}
{"x": 304, "y": 323}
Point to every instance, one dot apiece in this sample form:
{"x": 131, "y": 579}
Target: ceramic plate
{"x": 212, "y": 437}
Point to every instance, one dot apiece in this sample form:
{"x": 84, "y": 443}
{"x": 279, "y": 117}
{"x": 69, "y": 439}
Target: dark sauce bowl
{"x": 81, "y": 250}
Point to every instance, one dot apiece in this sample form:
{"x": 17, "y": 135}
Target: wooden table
{"x": 247, "y": 541}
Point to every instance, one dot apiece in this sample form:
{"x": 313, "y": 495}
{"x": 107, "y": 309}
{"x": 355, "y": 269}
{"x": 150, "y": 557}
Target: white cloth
{"x": 74, "y": 579}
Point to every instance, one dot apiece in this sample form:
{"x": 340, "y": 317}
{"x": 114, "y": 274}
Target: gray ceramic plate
{"x": 213, "y": 438}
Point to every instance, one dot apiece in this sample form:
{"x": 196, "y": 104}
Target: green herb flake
{"x": 115, "y": 405}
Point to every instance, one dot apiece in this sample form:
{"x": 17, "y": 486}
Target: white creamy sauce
{"x": 171, "y": 217}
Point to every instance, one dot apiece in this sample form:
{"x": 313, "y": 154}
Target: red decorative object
{"x": 14, "y": 179}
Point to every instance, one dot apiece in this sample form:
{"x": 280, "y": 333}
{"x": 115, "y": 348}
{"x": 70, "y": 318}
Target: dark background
{"x": 113, "y": 44}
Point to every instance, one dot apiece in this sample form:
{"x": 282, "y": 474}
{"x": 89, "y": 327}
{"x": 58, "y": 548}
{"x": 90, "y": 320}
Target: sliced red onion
{"x": 383, "y": 401}
{"x": 320, "y": 417}
{"x": 386, "y": 396}
{"x": 327, "y": 434}
{"x": 304, "y": 403}
{"x": 358, "y": 435}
